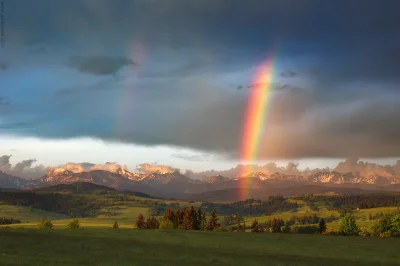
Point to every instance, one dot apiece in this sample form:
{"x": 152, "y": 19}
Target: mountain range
{"x": 175, "y": 184}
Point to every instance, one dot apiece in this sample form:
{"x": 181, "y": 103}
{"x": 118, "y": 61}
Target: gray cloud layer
{"x": 337, "y": 64}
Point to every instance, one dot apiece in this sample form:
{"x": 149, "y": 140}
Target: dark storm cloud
{"x": 190, "y": 52}
{"x": 99, "y": 65}
{"x": 16, "y": 125}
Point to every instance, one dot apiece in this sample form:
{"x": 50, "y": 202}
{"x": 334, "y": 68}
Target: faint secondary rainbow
{"x": 257, "y": 103}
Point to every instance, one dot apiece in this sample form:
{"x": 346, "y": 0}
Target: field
{"x": 107, "y": 246}
{"x": 97, "y": 243}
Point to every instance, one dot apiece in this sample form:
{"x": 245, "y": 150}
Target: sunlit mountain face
{"x": 200, "y": 93}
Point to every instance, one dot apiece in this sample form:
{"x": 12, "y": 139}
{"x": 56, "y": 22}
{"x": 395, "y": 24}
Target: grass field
{"x": 94, "y": 246}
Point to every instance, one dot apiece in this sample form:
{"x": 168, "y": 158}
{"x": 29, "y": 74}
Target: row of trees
{"x": 5, "y": 220}
{"x": 361, "y": 201}
{"x": 253, "y": 207}
{"x": 187, "y": 219}
{"x": 277, "y": 225}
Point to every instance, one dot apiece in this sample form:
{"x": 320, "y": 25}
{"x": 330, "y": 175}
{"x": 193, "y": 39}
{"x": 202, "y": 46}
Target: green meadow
{"x": 107, "y": 246}
{"x": 97, "y": 243}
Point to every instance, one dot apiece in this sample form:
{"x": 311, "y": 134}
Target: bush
{"x": 73, "y": 224}
{"x": 331, "y": 233}
{"x": 348, "y": 226}
{"x": 365, "y": 232}
{"x": 387, "y": 226}
{"x": 43, "y": 224}
{"x": 166, "y": 225}
{"x": 285, "y": 228}
{"x": 305, "y": 229}
{"x": 220, "y": 229}
{"x": 115, "y": 225}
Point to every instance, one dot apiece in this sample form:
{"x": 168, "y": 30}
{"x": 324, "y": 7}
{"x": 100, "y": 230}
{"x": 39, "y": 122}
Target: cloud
{"x": 288, "y": 74}
{"x": 23, "y": 168}
{"x": 85, "y": 167}
{"x": 5, "y": 164}
{"x": 38, "y": 50}
{"x": 192, "y": 157}
{"x": 149, "y": 168}
{"x": 4, "y": 66}
{"x": 16, "y": 125}
{"x": 99, "y": 65}
{"x": 4, "y": 101}
{"x": 179, "y": 94}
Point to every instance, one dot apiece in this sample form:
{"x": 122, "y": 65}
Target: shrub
{"x": 364, "y": 232}
{"x": 43, "y": 224}
{"x": 73, "y": 224}
{"x": 388, "y": 225}
{"x": 285, "y": 228}
{"x": 166, "y": 225}
{"x": 305, "y": 229}
{"x": 331, "y": 232}
{"x": 220, "y": 229}
{"x": 348, "y": 226}
{"x": 115, "y": 225}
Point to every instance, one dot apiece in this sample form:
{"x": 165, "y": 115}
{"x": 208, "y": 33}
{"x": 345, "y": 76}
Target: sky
{"x": 168, "y": 82}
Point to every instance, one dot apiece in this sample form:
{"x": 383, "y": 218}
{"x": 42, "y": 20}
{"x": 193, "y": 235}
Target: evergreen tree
{"x": 213, "y": 221}
{"x": 322, "y": 226}
{"x": 239, "y": 227}
{"x": 140, "y": 224}
{"x": 193, "y": 217}
{"x": 254, "y": 226}
{"x": 178, "y": 219}
{"x": 187, "y": 220}
{"x": 169, "y": 215}
{"x": 199, "y": 216}
{"x": 203, "y": 225}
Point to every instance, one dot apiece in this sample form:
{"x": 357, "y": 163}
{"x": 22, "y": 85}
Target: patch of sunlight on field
{"x": 26, "y": 214}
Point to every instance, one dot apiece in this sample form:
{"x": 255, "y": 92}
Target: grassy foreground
{"x": 107, "y": 246}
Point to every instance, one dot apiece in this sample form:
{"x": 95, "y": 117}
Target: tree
{"x": 187, "y": 222}
{"x": 169, "y": 215}
{"x": 140, "y": 224}
{"x": 322, "y": 226}
{"x": 254, "y": 226}
{"x": 73, "y": 224}
{"x": 203, "y": 223}
{"x": 348, "y": 226}
{"x": 239, "y": 227}
{"x": 213, "y": 221}
{"x": 43, "y": 223}
{"x": 166, "y": 225}
{"x": 199, "y": 218}
{"x": 115, "y": 225}
{"x": 388, "y": 225}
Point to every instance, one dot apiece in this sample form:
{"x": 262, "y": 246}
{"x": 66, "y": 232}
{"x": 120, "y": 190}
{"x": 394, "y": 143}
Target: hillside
{"x": 76, "y": 187}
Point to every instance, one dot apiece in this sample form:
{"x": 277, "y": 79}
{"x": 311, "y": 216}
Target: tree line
{"x": 5, "y": 220}
{"x": 187, "y": 219}
{"x": 361, "y": 201}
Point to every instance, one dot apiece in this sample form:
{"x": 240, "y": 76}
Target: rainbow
{"x": 257, "y": 103}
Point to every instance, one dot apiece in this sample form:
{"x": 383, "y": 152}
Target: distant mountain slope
{"x": 233, "y": 194}
{"x": 99, "y": 177}
{"x": 76, "y": 188}
{"x": 10, "y": 181}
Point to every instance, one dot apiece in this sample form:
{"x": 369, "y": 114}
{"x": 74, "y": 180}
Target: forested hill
{"x": 76, "y": 188}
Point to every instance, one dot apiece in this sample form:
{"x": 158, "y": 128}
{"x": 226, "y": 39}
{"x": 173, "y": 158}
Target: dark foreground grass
{"x": 92, "y": 246}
